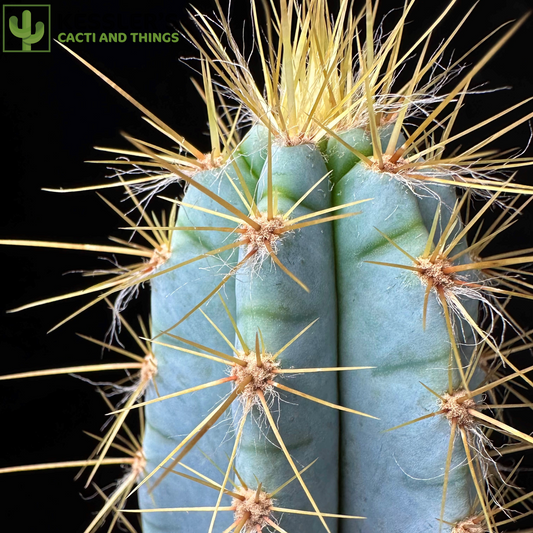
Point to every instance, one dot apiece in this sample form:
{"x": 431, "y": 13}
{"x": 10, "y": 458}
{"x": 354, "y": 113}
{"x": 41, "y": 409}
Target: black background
{"x": 54, "y": 111}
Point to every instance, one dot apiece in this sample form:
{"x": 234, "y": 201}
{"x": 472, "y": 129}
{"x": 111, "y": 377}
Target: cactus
{"x": 331, "y": 321}
{"x": 24, "y": 31}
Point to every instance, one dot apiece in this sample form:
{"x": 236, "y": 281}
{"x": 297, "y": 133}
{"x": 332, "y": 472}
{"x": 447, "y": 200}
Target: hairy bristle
{"x": 257, "y": 504}
{"x": 266, "y": 234}
{"x": 470, "y": 525}
{"x": 261, "y": 375}
{"x": 455, "y": 408}
{"x": 431, "y": 271}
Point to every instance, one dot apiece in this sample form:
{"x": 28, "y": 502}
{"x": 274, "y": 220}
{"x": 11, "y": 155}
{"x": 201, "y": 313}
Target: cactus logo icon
{"x": 26, "y": 28}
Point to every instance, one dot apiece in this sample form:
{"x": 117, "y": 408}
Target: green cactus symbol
{"x": 24, "y": 32}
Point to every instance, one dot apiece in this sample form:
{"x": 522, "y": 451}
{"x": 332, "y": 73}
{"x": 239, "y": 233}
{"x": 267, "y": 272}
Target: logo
{"x": 26, "y": 28}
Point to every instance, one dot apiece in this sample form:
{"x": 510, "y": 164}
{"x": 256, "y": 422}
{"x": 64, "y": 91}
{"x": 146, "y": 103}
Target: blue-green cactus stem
{"x": 381, "y": 325}
{"x": 269, "y": 300}
{"x": 340, "y": 159}
{"x": 173, "y": 295}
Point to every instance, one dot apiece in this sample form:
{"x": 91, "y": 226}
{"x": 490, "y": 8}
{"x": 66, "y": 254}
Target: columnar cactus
{"x": 324, "y": 345}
